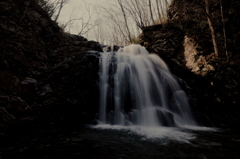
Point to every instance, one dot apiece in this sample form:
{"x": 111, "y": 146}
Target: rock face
{"x": 198, "y": 64}
{"x": 42, "y": 69}
{"x": 185, "y": 43}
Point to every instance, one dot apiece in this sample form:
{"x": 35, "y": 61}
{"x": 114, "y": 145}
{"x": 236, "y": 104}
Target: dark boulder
{"x": 109, "y": 48}
{"x": 165, "y": 117}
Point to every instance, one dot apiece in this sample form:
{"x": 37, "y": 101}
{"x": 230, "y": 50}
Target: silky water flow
{"x": 137, "y": 88}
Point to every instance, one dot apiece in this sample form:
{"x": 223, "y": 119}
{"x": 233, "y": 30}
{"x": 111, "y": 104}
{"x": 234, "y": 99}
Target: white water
{"x": 137, "y": 89}
{"x": 163, "y": 133}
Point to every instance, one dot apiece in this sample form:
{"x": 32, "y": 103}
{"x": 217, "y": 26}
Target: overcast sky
{"x": 74, "y": 5}
{"x": 77, "y": 9}
{"x": 80, "y": 11}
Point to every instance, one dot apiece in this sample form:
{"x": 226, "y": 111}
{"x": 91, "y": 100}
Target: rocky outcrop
{"x": 195, "y": 61}
{"x": 185, "y": 43}
{"x": 41, "y": 67}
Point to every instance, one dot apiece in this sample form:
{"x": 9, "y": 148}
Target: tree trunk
{"x": 224, "y": 31}
{"x": 214, "y": 40}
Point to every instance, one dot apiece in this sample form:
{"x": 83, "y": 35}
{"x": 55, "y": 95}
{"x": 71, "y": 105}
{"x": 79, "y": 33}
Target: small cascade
{"x": 137, "y": 88}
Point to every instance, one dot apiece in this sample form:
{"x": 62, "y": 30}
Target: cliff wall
{"x": 43, "y": 71}
{"x": 185, "y": 43}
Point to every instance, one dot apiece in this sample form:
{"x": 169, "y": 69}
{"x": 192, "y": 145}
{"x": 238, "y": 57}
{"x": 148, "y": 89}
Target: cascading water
{"x": 137, "y": 88}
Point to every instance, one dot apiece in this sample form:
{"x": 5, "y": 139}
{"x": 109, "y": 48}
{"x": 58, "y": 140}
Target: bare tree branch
{"x": 60, "y": 5}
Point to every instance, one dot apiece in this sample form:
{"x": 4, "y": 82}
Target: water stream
{"x": 137, "y": 89}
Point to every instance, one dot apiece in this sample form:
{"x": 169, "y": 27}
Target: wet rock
{"x": 109, "y": 48}
{"x": 165, "y": 117}
{"x": 95, "y": 46}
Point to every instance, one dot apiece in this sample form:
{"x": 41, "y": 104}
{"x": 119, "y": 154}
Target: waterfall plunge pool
{"x": 139, "y": 94}
{"x": 162, "y": 134}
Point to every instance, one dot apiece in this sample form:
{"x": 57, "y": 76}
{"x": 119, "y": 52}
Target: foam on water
{"x": 199, "y": 128}
{"x": 156, "y": 133}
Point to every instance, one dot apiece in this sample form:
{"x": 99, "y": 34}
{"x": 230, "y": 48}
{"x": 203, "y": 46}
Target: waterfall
{"x": 137, "y": 88}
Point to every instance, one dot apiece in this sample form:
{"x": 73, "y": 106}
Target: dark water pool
{"x": 72, "y": 141}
